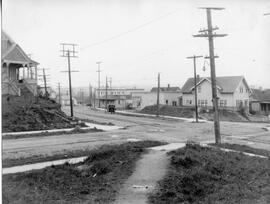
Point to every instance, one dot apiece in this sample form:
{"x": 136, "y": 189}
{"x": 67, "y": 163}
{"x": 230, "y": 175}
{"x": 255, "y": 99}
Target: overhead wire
{"x": 129, "y": 31}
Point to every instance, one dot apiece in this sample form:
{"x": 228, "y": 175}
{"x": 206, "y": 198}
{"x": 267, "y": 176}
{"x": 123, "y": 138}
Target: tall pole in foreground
{"x": 98, "y": 63}
{"x": 68, "y": 50}
{"x": 210, "y": 35}
{"x": 195, "y": 83}
{"x": 70, "y": 87}
{"x": 158, "y": 89}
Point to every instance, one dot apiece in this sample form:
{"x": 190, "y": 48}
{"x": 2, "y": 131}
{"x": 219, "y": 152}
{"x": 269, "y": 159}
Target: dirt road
{"x": 135, "y": 128}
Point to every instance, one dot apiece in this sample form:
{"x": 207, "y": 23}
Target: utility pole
{"x": 106, "y": 94}
{"x": 94, "y": 98}
{"x": 68, "y": 50}
{"x": 59, "y": 93}
{"x": 210, "y": 35}
{"x": 98, "y": 63}
{"x": 110, "y": 81}
{"x": 158, "y": 89}
{"x": 45, "y": 82}
{"x": 90, "y": 94}
{"x": 194, "y": 57}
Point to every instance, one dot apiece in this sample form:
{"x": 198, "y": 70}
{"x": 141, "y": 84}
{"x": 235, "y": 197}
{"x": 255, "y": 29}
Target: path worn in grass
{"x": 96, "y": 180}
{"x": 149, "y": 170}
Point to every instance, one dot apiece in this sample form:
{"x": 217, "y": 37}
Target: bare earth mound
{"x": 20, "y": 114}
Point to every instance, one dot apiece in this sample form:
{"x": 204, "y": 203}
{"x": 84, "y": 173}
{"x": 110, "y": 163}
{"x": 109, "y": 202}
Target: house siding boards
{"x": 230, "y": 92}
{"x": 143, "y": 99}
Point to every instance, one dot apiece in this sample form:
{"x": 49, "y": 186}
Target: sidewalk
{"x": 149, "y": 170}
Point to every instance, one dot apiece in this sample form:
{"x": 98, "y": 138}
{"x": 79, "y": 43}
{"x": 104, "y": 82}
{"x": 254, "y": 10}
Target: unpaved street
{"x": 134, "y": 128}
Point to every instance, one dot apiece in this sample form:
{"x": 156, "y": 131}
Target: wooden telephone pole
{"x": 208, "y": 33}
{"x": 45, "y": 82}
{"x": 59, "y": 93}
{"x": 195, "y": 84}
{"x": 90, "y": 94}
{"x": 68, "y": 50}
{"x": 158, "y": 90}
{"x": 98, "y": 63}
{"x": 106, "y": 107}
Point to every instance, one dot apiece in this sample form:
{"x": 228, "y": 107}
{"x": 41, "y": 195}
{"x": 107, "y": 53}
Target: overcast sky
{"x": 136, "y": 39}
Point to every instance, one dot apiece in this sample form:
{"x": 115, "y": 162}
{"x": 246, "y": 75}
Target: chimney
{"x": 168, "y": 85}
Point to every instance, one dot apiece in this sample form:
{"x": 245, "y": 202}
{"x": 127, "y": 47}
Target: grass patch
{"x": 76, "y": 130}
{"x": 205, "y": 175}
{"x": 166, "y": 110}
{"x": 96, "y": 180}
{"x": 243, "y": 148}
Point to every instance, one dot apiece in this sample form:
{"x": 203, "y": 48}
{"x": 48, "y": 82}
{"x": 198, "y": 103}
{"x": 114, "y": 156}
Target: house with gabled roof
{"x": 233, "y": 92}
{"x": 19, "y": 72}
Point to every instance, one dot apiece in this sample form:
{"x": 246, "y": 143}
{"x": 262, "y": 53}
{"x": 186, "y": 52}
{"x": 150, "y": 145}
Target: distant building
{"x": 120, "y": 97}
{"x": 65, "y": 100}
{"x": 233, "y": 92}
{"x": 167, "y": 96}
{"x": 260, "y": 101}
{"x": 19, "y": 72}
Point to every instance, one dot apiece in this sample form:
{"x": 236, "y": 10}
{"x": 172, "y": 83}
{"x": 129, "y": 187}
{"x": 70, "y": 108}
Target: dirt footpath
{"x": 150, "y": 169}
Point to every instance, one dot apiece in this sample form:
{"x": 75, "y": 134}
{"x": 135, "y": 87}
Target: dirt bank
{"x": 19, "y": 114}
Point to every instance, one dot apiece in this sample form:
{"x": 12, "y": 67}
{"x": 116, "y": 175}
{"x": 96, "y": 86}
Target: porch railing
{"x": 12, "y": 84}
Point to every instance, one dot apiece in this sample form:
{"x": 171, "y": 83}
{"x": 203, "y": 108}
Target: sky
{"x": 137, "y": 39}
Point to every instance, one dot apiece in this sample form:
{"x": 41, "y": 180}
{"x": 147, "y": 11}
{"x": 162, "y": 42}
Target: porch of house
{"x": 19, "y": 78}
{"x": 265, "y": 107}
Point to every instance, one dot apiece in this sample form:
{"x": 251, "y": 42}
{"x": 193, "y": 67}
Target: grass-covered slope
{"x": 96, "y": 180}
{"x": 204, "y": 175}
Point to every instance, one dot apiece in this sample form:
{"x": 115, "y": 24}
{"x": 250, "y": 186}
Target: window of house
{"x": 166, "y": 102}
{"x": 199, "y": 89}
{"x": 238, "y": 103}
{"x": 205, "y": 103}
{"x": 241, "y": 90}
{"x": 246, "y": 103}
{"x": 174, "y": 103}
{"x": 188, "y": 102}
{"x": 202, "y": 103}
{"x": 223, "y": 103}
{"x": 119, "y": 101}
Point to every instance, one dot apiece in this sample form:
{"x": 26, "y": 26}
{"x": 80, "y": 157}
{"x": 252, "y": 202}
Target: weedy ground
{"x": 206, "y": 175}
{"x": 96, "y": 180}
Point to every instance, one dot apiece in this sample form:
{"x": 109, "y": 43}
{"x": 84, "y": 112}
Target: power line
{"x": 129, "y": 31}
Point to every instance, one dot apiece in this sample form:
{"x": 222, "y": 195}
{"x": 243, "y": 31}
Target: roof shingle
{"x": 227, "y": 84}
